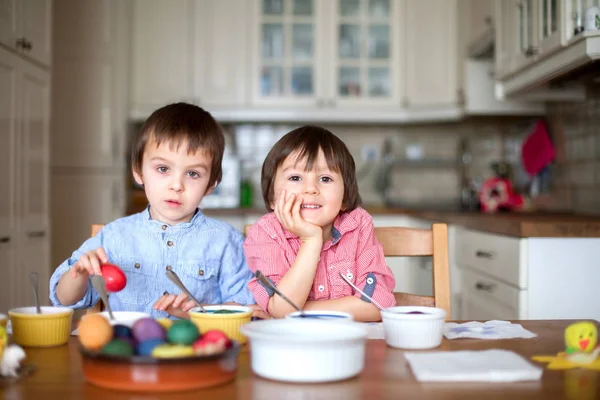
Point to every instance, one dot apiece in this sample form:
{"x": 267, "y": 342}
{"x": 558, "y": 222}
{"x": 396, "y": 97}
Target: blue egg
{"x": 145, "y": 348}
{"x": 121, "y": 331}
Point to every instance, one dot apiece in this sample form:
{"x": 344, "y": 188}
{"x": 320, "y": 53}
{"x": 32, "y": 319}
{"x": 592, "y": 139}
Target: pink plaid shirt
{"x": 354, "y": 251}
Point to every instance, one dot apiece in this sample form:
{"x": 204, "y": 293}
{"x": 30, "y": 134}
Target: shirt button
{"x": 164, "y": 227}
{"x": 137, "y": 265}
{"x": 201, "y": 272}
{"x": 168, "y": 267}
{"x": 370, "y": 280}
{"x": 349, "y": 275}
{"x": 169, "y": 243}
{"x": 321, "y": 288}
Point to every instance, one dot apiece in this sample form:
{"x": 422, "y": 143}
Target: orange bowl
{"x": 148, "y": 374}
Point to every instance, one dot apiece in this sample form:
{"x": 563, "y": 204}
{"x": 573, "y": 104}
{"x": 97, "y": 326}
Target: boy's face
{"x": 322, "y": 190}
{"x": 174, "y": 181}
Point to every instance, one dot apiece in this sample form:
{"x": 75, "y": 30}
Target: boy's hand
{"x": 258, "y": 312}
{"x": 177, "y": 306}
{"x": 89, "y": 263}
{"x": 287, "y": 211}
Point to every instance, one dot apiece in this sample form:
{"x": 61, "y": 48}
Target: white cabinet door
{"x": 221, "y": 52}
{"x": 162, "y": 53}
{"x": 8, "y": 181}
{"x": 431, "y": 45}
{"x": 35, "y": 18}
{"x": 89, "y": 115}
{"x": 484, "y": 298}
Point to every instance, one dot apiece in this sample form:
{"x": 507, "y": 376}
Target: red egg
{"x": 115, "y": 278}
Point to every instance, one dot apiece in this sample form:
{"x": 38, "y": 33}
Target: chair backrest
{"x": 98, "y": 307}
{"x": 407, "y": 242}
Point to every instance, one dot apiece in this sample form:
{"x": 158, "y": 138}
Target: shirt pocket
{"x": 339, "y": 285}
{"x": 142, "y": 285}
{"x": 202, "y": 280}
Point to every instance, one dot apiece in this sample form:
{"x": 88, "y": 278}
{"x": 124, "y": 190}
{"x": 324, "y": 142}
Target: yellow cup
{"x": 50, "y": 328}
{"x": 228, "y": 323}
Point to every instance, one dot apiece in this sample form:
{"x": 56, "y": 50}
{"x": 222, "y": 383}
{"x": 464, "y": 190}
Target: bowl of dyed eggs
{"x": 50, "y": 328}
{"x": 155, "y": 356}
{"x": 413, "y": 327}
{"x": 315, "y": 314}
{"x": 310, "y": 350}
{"x": 226, "y": 318}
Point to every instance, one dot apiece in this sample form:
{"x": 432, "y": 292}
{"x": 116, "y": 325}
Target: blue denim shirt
{"x": 206, "y": 254}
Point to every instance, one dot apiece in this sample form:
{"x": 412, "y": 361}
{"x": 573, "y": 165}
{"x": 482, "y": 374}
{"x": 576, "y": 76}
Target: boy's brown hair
{"x": 180, "y": 123}
{"x": 307, "y": 141}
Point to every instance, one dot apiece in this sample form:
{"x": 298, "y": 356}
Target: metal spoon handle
{"x": 99, "y": 284}
{"x": 263, "y": 279}
{"x": 175, "y": 279}
{"x": 361, "y": 292}
{"x": 33, "y": 279}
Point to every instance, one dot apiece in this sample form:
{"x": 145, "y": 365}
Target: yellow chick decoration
{"x": 581, "y": 337}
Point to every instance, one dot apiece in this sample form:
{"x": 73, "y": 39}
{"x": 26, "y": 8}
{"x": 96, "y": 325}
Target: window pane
{"x": 349, "y": 8}
{"x": 271, "y": 81}
{"x": 273, "y": 7}
{"x": 379, "y": 8}
{"x": 272, "y": 41}
{"x": 303, "y": 7}
{"x": 302, "y": 82}
{"x": 349, "y": 83}
{"x": 379, "y": 82}
{"x": 349, "y": 41}
{"x": 302, "y": 41}
{"x": 379, "y": 41}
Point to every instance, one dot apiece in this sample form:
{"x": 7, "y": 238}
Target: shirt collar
{"x": 156, "y": 225}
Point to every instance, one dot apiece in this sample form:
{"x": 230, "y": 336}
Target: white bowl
{"x": 306, "y": 351}
{"x": 413, "y": 331}
{"x": 126, "y": 318}
{"x": 325, "y": 314}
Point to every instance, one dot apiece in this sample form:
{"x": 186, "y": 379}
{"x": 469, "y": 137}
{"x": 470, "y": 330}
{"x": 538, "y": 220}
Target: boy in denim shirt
{"x": 177, "y": 158}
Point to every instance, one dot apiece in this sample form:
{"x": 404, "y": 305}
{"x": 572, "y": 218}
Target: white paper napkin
{"x": 486, "y": 330}
{"x": 472, "y": 366}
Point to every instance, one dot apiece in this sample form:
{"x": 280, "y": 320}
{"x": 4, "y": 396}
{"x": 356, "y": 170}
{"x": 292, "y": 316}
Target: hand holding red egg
{"x": 115, "y": 277}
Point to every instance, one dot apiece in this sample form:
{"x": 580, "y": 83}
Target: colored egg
{"x": 165, "y": 323}
{"x": 120, "y": 331}
{"x": 183, "y": 332}
{"x": 172, "y": 351}
{"x": 94, "y": 332}
{"x": 145, "y": 348}
{"x": 147, "y": 328}
{"x": 114, "y": 276}
{"x": 118, "y": 347}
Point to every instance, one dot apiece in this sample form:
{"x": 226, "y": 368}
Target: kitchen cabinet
{"x": 24, "y": 156}
{"x": 479, "y": 18}
{"x": 506, "y": 277}
{"x": 188, "y": 50}
{"x": 25, "y": 27}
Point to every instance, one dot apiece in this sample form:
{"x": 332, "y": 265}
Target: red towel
{"x": 538, "y": 150}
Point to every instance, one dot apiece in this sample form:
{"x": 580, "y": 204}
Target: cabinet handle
{"x": 5, "y": 239}
{"x": 20, "y": 44}
{"x": 484, "y": 254}
{"x": 36, "y": 234}
{"x": 531, "y": 51}
{"x": 485, "y": 287}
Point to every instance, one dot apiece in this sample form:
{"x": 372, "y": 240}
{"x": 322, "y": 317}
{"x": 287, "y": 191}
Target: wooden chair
{"x": 411, "y": 242}
{"x": 98, "y": 307}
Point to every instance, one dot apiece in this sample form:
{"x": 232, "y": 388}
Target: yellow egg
{"x": 165, "y": 323}
{"x": 172, "y": 351}
{"x": 94, "y": 331}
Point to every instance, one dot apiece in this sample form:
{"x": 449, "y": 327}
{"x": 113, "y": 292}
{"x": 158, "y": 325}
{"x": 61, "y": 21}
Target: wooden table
{"x": 386, "y": 376}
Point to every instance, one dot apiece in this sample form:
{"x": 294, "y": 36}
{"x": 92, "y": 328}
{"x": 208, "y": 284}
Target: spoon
{"x": 263, "y": 279}
{"x": 33, "y": 279}
{"x": 361, "y": 292}
{"x": 175, "y": 279}
{"x": 99, "y": 284}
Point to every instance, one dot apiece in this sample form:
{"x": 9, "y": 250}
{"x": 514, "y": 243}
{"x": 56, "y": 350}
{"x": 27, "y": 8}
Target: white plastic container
{"x": 306, "y": 351}
{"x": 413, "y": 331}
{"x": 126, "y": 318}
{"x": 325, "y": 314}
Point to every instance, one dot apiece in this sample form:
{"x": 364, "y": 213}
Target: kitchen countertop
{"x": 517, "y": 224}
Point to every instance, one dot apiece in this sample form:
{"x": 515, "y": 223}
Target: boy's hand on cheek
{"x": 287, "y": 211}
